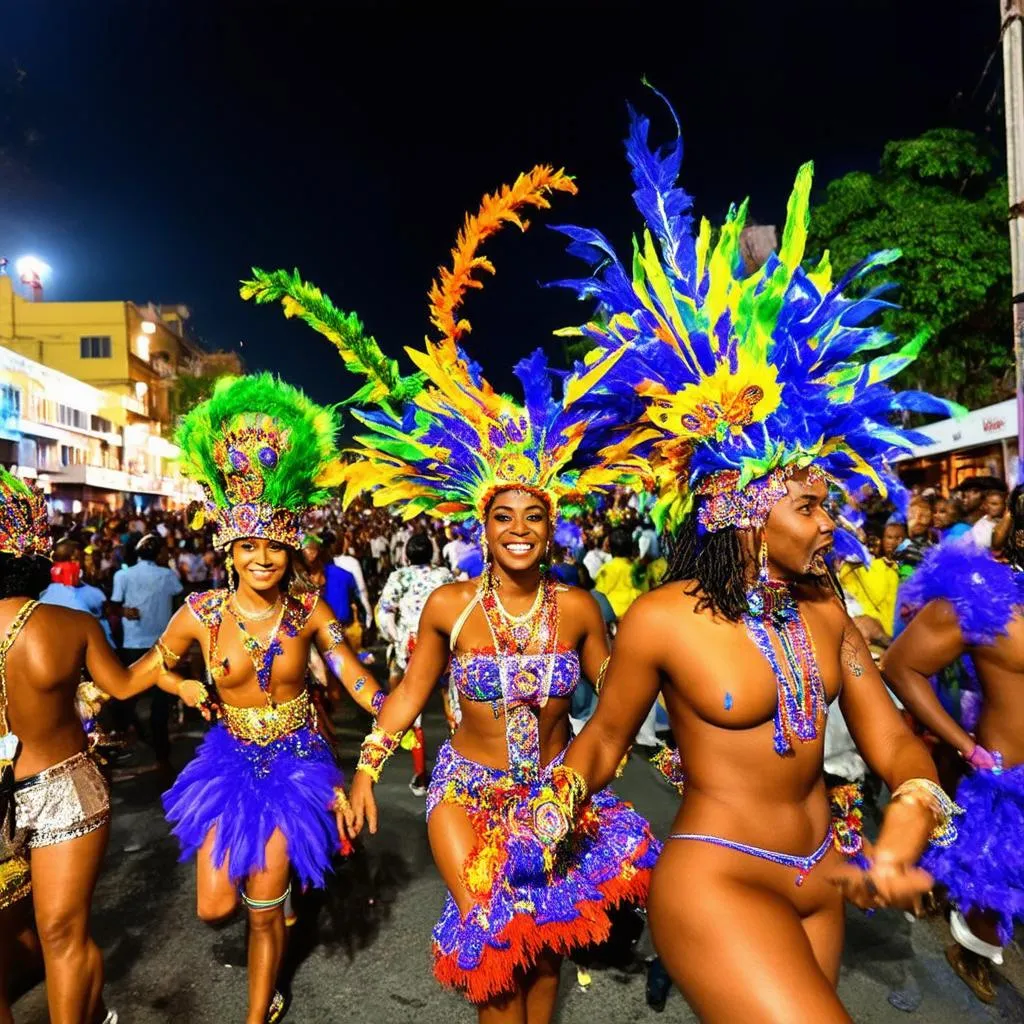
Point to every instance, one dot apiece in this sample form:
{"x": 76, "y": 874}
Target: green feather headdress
{"x": 263, "y": 453}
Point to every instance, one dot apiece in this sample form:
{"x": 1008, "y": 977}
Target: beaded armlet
{"x": 376, "y": 749}
{"x": 930, "y": 795}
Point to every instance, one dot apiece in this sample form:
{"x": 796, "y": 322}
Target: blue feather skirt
{"x": 984, "y": 867}
{"x": 246, "y": 792}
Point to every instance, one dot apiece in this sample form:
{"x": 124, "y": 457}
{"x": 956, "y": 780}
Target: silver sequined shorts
{"x": 68, "y": 800}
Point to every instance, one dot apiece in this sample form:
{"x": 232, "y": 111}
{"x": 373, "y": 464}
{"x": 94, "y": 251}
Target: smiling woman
{"x": 263, "y": 798}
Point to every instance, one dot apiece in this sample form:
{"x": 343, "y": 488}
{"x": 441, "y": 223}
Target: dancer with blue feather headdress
{"x": 753, "y": 395}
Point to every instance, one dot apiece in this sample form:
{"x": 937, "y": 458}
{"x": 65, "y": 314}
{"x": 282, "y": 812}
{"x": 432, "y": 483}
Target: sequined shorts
{"x": 68, "y": 800}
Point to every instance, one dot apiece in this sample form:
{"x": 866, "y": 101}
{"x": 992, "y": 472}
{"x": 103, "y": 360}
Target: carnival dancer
{"x": 262, "y": 801}
{"x": 398, "y": 618}
{"x": 444, "y": 442}
{"x": 54, "y": 803}
{"x": 970, "y": 606}
{"x": 756, "y": 398}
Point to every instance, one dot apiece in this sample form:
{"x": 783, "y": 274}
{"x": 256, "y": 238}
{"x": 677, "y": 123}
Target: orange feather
{"x": 450, "y": 287}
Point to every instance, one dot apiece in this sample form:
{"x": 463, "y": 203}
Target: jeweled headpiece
{"x": 745, "y": 378}
{"x": 24, "y": 529}
{"x": 264, "y": 454}
{"x": 444, "y": 441}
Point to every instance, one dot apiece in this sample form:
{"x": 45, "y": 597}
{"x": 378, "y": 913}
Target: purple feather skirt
{"x": 247, "y": 791}
{"x": 518, "y": 914}
{"x": 984, "y": 867}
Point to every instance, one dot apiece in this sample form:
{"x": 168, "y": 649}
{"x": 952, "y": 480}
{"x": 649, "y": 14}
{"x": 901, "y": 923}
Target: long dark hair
{"x": 713, "y": 563}
{"x": 23, "y": 575}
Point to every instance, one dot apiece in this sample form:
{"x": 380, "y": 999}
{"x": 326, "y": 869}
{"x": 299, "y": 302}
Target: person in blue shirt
{"x": 67, "y": 588}
{"x": 146, "y": 594}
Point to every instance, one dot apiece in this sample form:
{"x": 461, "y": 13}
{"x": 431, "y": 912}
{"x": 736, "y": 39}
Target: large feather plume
{"x": 742, "y": 373}
{"x": 305, "y": 467}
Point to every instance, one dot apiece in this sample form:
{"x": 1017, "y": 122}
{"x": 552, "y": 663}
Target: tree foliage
{"x": 938, "y": 199}
{"x": 188, "y": 390}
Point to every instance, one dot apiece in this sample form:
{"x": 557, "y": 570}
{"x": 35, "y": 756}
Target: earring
{"x": 762, "y": 573}
{"x": 229, "y": 566}
{"x": 757, "y": 591}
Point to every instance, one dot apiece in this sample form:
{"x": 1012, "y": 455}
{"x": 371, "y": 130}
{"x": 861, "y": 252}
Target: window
{"x": 101, "y": 425}
{"x": 96, "y": 346}
{"x": 10, "y": 401}
{"x": 69, "y": 417}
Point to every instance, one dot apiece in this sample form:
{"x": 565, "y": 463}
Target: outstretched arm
{"x": 931, "y": 642}
{"x": 329, "y": 637}
{"x": 630, "y": 687}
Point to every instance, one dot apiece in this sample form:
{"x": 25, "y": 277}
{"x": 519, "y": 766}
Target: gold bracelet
{"x": 168, "y": 659}
{"x": 340, "y": 802}
{"x": 376, "y": 749}
{"x": 930, "y": 795}
{"x": 602, "y": 672}
{"x": 204, "y": 694}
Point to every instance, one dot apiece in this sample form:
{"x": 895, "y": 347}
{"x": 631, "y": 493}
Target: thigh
{"x": 452, "y": 840}
{"x": 63, "y": 880}
{"x": 712, "y": 929}
{"x": 826, "y": 931}
{"x": 271, "y": 882}
{"x": 216, "y": 895}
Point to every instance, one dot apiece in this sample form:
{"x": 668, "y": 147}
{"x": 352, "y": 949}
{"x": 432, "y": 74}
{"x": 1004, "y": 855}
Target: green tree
{"x": 188, "y": 390}
{"x": 939, "y": 200}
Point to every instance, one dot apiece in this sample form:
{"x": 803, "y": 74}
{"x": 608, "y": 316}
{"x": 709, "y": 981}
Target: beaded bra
{"x": 262, "y": 724}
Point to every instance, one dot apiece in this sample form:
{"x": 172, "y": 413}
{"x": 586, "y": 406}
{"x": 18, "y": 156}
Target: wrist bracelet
{"x": 340, "y": 801}
{"x": 601, "y": 673}
{"x": 376, "y": 749}
{"x": 930, "y": 795}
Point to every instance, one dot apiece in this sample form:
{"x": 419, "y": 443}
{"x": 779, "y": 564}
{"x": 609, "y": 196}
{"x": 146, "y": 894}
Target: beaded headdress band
{"x": 443, "y": 441}
{"x": 24, "y": 529}
{"x": 264, "y": 454}
{"x": 743, "y": 378}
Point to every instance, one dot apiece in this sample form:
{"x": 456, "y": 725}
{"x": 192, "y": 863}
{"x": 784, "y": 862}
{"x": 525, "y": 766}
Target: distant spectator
{"x": 617, "y": 578}
{"x": 992, "y": 529}
{"x": 919, "y": 537}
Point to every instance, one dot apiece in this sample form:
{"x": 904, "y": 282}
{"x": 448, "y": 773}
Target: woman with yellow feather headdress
{"x": 446, "y": 443}
{"x": 761, "y": 391}
{"x": 262, "y": 801}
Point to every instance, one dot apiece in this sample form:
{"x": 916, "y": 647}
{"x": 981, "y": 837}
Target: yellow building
{"x": 84, "y": 398}
{"x": 129, "y": 350}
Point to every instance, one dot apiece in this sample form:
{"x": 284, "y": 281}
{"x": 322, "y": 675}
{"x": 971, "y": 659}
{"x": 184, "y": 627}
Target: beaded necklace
{"x": 801, "y": 705}
{"x": 512, "y": 638}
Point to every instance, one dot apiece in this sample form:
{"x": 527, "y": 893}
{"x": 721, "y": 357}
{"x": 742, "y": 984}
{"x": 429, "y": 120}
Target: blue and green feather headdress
{"x": 742, "y": 378}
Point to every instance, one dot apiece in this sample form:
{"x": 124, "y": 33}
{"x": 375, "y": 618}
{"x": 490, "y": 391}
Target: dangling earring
{"x": 762, "y": 572}
{"x": 229, "y": 567}
{"x": 756, "y": 592}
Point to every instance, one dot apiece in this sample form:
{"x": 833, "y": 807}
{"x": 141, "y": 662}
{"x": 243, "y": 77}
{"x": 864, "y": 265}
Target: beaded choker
{"x": 801, "y": 692}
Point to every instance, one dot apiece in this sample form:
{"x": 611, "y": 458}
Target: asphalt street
{"x": 164, "y": 965}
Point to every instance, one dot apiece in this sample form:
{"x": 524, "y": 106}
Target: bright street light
{"x": 31, "y": 266}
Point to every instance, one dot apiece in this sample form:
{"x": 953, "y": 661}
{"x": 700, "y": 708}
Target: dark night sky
{"x": 157, "y": 150}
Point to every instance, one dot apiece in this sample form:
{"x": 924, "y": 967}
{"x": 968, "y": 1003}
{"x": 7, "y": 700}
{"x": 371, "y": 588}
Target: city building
{"x": 85, "y": 398}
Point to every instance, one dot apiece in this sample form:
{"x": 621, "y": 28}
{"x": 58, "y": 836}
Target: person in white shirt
{"x": 596, "y": 556}
{"x": 992, "y": 529}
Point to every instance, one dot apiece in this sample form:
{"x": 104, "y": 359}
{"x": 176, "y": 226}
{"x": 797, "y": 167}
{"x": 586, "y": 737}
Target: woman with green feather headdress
{"x": 753, "y": 393}
{"x": 262, "y": 802}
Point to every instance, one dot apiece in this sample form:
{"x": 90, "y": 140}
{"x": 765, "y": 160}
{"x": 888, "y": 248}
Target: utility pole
{"x": 1011, "y": 30}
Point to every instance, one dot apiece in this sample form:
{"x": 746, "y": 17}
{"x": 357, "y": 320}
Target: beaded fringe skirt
{"x": 515, "y": 916}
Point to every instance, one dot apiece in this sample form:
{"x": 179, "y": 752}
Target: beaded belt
{"x": 267, "y": 723}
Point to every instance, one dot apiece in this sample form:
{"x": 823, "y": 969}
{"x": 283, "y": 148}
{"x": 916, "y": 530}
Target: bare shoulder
{"x": 448, "y": 601}
{"x": 667, "y": 603}
{"x": 577, "y": 601}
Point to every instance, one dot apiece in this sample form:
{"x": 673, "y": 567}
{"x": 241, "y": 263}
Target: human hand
{"x": 981, "y": 760}
{"x": 886, "y": 882}
{"x": 195, "y": 695}
{"x": 363, "y": 804}
{"x": 344, "y": 819}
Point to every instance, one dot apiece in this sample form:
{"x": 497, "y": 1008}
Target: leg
{"x": 542, "y": 989}
{"x": 451, "y": 841}
{"x": 216, "y": 896}
{"x": 825, "y": 931}
{"x": 711, "y": 931}
{"x": 63, "y": 879}
{"x": 266, "y": 928}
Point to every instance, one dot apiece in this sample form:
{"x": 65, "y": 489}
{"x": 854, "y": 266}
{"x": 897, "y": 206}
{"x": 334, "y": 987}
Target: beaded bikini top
{"x": 477, "y": 675}
{"x": 264, "y": 723}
